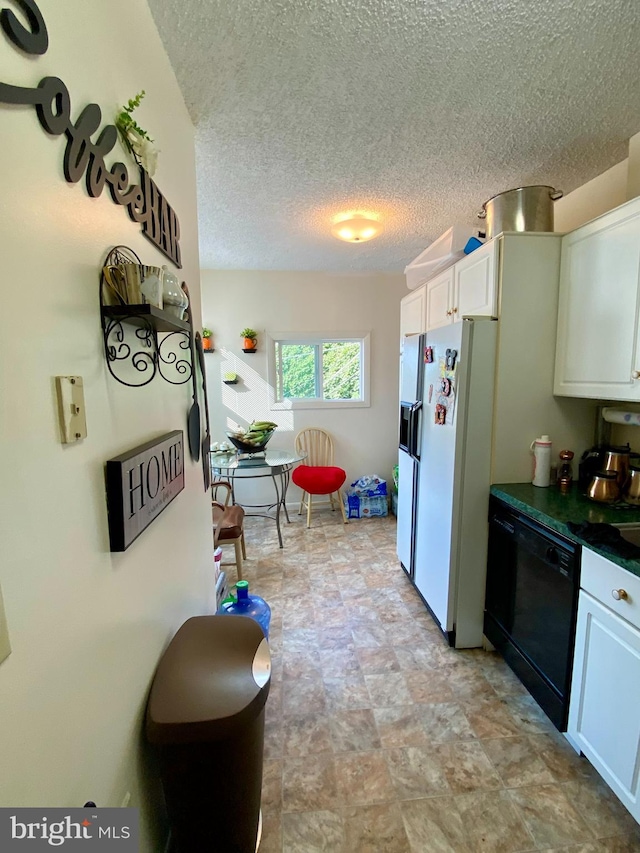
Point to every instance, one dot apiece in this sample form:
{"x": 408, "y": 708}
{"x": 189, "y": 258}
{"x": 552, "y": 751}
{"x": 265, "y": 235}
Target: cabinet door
{"x": 605, "y": 697}
{"x": 476, "y": 283}
{"x": 597, "y": 353}
{"x": 439, "y": 296}
{"x": 412, "y": 313}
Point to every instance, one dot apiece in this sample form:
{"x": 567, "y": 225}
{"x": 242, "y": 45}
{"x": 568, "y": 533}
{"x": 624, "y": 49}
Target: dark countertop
{"x": 550, "y": 507}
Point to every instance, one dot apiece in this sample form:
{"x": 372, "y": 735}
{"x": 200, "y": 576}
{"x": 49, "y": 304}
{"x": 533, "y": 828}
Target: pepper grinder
{"x": 565, "y": 474}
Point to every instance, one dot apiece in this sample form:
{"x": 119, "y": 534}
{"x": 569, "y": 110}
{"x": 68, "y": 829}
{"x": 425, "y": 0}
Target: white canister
{"x": 541, "y": 449}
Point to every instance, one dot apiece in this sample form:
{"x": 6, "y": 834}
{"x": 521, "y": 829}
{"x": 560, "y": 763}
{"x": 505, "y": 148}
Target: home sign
{"x": 140, "y": 484}
{"x": 84, "y": 156}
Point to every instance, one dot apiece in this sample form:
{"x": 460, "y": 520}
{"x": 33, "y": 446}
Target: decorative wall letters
{"x": 144, "y": 202}
{"x": 34, "y": 41}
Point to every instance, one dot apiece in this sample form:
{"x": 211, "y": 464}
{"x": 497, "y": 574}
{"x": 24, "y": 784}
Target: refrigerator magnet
{"x": 430, "y": 394}
{"x": 441, "y": 413}
{"x": 450, "y": 361}
{"x": 428, "y": 355}
{"x": 445, "y": 386}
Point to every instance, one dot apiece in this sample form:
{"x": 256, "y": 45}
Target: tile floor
{"x": 382, "y": 739}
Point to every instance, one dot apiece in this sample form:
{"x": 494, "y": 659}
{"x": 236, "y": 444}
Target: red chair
{"x": 318, "y": 476}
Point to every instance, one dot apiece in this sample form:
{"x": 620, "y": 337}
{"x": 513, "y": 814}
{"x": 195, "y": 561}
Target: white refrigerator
{"x": 444, "y": 471}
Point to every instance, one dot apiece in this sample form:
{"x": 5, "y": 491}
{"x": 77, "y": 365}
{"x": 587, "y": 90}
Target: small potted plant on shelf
{"x": 250, "y": 340}
{"x": 135, "y": 138}
{"x": 207, "y": 342}
{"x": 230, "y": 379}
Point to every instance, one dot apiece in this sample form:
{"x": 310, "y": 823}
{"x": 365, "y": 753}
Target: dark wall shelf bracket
{"x": 143, "y": 337}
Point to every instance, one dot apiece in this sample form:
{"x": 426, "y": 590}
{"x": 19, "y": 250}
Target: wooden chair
{"x": 318, "y": 475}
{"x": 228, "y": 523}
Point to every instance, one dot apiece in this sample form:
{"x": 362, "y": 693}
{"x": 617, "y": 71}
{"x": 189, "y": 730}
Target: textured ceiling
{"x": 418, "y": 110}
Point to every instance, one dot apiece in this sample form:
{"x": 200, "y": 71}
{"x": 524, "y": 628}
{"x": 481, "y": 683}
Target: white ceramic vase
{"x": 174, "y": 298}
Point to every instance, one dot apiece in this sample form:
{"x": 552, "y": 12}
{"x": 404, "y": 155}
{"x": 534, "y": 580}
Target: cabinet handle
{"x": 449, "y": 313}
{"x": 620, "y": 594}
{"x": 455, "y": 310}
{"x": 635, "y": 374}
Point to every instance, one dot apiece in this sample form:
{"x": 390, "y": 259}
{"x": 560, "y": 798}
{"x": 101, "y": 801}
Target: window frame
{"x": 317, "y": 339}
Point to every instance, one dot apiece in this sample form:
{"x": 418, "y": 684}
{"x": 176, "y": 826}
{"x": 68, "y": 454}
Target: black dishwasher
{"x": 533, "y": 579}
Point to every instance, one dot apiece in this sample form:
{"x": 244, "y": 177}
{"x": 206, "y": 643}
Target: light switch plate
{"x": 5, "y": 645}
{"x": 73, "y": 423}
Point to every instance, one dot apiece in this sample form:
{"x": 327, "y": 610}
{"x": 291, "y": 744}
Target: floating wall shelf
{"x": 142, "y": 315}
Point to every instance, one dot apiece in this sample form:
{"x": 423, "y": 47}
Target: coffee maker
{"x": 592, "y": 460}
{"x": 590, "y": 464}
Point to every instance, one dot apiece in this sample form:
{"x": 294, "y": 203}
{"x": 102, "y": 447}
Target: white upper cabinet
{"x": 439, "y": 300}
{"x": 598, "y": 346}
{"x": 468, "y": 289}
{"x": 475, "y": 292}
{"x": 413, "y": 313}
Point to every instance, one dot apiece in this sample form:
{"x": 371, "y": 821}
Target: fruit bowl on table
{"x": 252, "y": 440}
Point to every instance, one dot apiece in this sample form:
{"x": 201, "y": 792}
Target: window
{"x": 320, "y": 370}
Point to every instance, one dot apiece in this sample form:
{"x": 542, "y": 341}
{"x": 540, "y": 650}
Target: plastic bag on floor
{"x": 369, "y": 486}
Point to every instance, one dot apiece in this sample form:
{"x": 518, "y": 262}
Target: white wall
{"x": 606, "y": 191}
{"x": 365, "y": 438}
{"x": 633, "y": 171}
{"x": 87, "y": 626}
{"x": 592, "y": 199}
{"x": 525, "y": 406}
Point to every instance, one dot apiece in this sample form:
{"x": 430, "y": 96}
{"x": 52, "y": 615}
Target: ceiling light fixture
{"x": 356, "y": 229}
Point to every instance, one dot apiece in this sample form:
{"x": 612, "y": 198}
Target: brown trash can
{"x": 206, "y": 715}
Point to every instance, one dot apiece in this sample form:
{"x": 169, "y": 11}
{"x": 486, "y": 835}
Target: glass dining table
{"x": 276, "y": 464}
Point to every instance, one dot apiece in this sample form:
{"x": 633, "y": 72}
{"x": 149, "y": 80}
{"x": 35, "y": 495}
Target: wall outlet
{"x": 5, "y": 645}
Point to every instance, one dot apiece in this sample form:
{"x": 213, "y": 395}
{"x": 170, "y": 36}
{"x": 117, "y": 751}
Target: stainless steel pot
{"x": 616, "y": 459}
{"x": 604, "y": 487}
{"x": 632, "y": 491}
{"x": 522, "y": 209}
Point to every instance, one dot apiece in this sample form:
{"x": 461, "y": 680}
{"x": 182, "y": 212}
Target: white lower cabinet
{"x": 604, "y": 712}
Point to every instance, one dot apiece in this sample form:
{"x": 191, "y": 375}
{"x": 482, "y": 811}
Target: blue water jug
{"x": 248, "y": 605}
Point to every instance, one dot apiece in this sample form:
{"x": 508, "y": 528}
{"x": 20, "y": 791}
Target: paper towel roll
{"x": 618, "y": 416}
